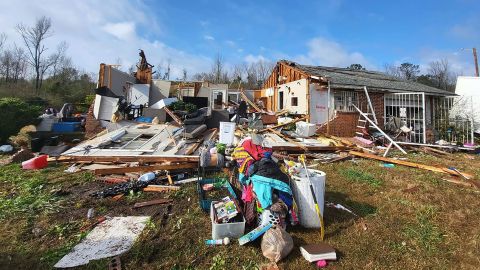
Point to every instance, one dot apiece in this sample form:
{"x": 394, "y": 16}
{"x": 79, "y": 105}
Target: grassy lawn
{"x": 413, "y": 220}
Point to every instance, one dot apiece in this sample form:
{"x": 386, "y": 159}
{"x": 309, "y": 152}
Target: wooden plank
{"x": 152, "y": 202}
{"x": 284, "y": 124}
{"x": 288, "y": 139}
{"x": 174, "y": 117}
{"x": 146, "y": 168}
{"x": 160, "y": 188}
{"x": 410, "y": 164}
{"x": 131, "y": 158}
{"x": 169, "y": 178}
{"x": 249, "y": 101}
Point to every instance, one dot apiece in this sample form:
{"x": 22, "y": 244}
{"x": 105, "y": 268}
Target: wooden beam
{"x": 145, "y": 168}
{"x": 160, "y": 188}
{"x": 174, "y": 117}
{"x": 249, "y": 101}
{"x": 284, "y": 124}
{"x": 152, "y": 202}
{"x": 410, "y": 164}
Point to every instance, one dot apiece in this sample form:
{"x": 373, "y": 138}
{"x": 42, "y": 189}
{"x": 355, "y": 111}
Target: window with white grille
{"x": 343, "y": 101}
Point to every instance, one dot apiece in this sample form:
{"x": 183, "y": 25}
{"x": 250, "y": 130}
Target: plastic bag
{"x": 276, "y": 244}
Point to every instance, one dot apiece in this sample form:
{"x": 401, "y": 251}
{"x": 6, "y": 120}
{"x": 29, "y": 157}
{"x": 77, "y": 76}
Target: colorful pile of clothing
{"x": 264, "y": 185}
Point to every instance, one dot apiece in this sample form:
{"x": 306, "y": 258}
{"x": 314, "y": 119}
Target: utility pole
{"x": 476, "y": 61}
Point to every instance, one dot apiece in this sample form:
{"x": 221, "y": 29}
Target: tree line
{"x": 30, "y": 69}
{"x": 439, "y": 74}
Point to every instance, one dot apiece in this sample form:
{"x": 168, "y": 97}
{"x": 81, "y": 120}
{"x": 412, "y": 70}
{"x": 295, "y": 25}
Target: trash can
{"x": 307, "y": 215}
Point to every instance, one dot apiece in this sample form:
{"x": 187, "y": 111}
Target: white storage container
{"x": 305, "y": 129}
{"x": 222, "y": 230}
{"x": 307, "y": 215}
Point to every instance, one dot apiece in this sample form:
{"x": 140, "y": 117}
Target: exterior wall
{"x": 159, "y": 89}
{"x": 115, "y": 79}
{"x": 296, "y": 89}
{"x": 343, "y": 125}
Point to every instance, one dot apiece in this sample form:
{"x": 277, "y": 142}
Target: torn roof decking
{"x": 136, "y": 140}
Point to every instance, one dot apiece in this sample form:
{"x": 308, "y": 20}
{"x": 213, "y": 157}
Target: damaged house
{"x": 335, "y": 99}
{"x": 145, "y": 96}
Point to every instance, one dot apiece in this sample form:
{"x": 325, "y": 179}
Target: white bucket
{"x": 307, "y": 214}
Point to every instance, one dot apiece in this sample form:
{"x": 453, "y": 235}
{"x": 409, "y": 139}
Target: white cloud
{"x": 101, "y": 32}
{"x": 124, "y": 31}
{"x": 208, "y": 37}
{"x": 254, "y": 58}
{"x": 324, "y": 52}
{"x": 230, "y": 43}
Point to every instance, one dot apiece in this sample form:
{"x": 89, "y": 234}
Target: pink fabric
{"x": 247, "y": 193}
{"x": 256, "y": 151}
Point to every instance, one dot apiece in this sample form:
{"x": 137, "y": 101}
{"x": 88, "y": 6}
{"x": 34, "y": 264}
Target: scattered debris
{"x": 110, "y": 238}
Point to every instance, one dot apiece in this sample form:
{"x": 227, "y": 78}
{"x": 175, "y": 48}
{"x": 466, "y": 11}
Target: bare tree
{"x": 184, "y": 70}
{"x": 237, "y": 73}
{"x": 3, "y": 39}
{"x": 6, "y": 61}
{"x": 217, "y": 68}
{"x": 166, "y": 76}
{"x": 34, "y": 37}
{"x": 441, "y": 74}
{"x": 392, "y": 70}
{"x": 19, "y": 65}
{"x": 59, "y": 58}
{"x": 406, "y": 71}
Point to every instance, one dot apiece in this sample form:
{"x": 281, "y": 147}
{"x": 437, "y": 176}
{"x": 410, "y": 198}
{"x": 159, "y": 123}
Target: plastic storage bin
{"x": 222, "y": 230}
{"x": 206, "y": 203}
{"x": 303, "y": 196}
{"x": 66, "y": 127}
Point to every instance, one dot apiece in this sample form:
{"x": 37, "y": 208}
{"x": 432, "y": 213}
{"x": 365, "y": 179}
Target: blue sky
{"x": 190, "y": 33}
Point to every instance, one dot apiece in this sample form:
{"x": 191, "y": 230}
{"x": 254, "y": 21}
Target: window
{"x": 294, "y": 101}
{"x": 343, "y": 101}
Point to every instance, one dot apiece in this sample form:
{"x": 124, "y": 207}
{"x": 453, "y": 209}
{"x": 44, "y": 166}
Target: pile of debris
{"x": 269, "y": 159}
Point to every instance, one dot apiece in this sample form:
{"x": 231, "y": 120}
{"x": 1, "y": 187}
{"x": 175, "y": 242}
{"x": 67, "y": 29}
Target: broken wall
{"x": 115, "y": 79}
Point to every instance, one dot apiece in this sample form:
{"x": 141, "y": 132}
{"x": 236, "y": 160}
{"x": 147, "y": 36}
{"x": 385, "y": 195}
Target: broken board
{"x": 108, "y": 239}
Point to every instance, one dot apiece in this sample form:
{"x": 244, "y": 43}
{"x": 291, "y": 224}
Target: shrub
{"x": 15, "y": 115}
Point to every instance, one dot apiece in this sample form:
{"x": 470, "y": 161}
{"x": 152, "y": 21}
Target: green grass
{"x": 404, "y": 229}
{"x": 423, "y": 232}
{"x": 356, "y": 175}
